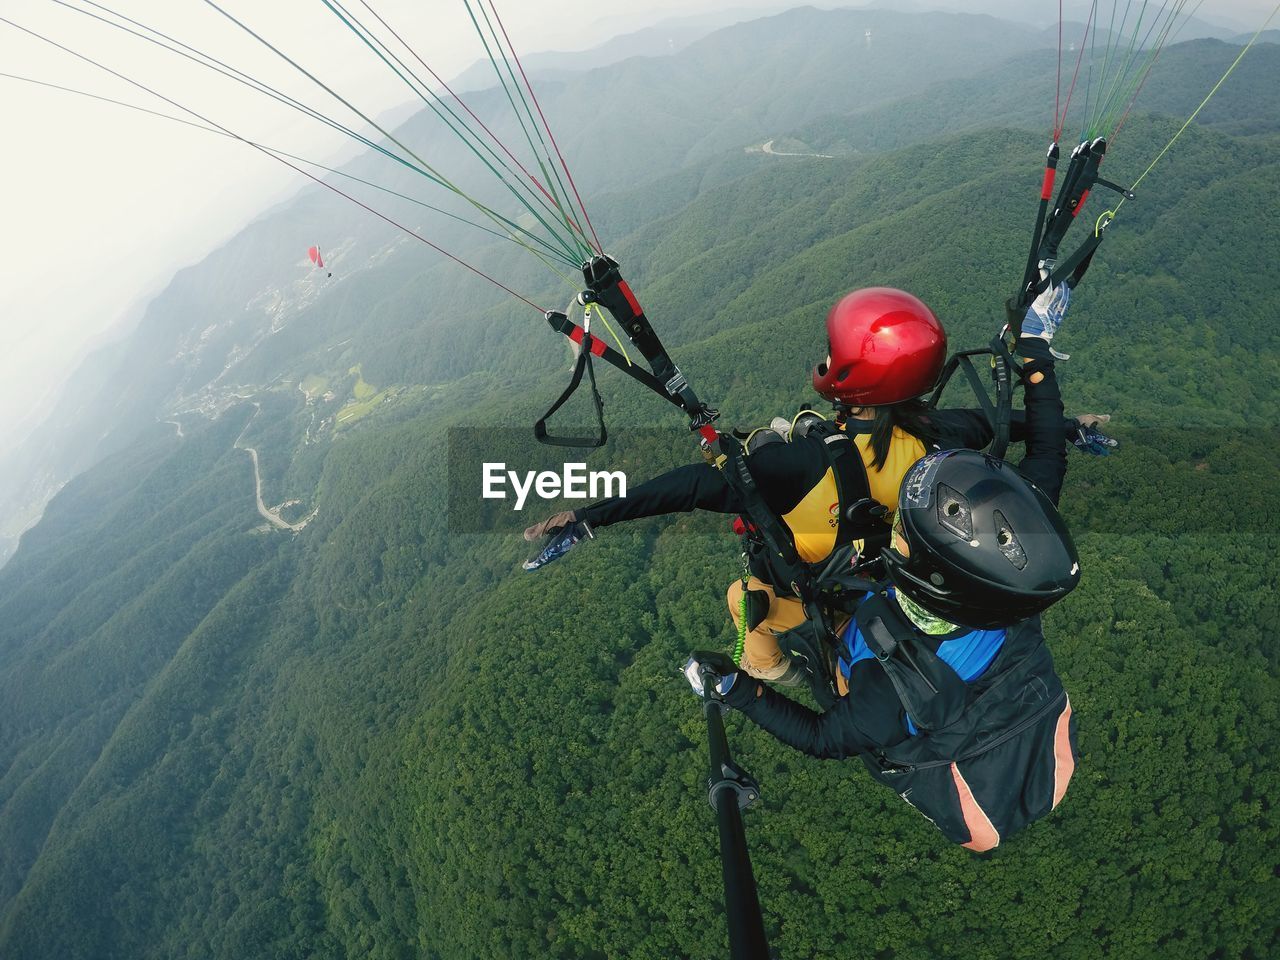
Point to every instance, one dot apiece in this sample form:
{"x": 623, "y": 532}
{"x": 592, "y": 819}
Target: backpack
{"x": 988, "y": 759}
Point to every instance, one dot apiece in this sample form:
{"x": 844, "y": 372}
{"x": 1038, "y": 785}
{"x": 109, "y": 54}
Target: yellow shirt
{"x": 814, "y": 521}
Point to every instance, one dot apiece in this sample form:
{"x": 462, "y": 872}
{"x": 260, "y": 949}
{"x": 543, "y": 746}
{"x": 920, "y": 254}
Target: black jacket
{"x": 871, "y": 716}
{"x": 784, "y": 472}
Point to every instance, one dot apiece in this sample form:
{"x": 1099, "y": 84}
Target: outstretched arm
{"x": 697, "y": 486}
{"x": 832, "y": 735}
{"x": 1045, "y": 464}
{"x": 784, "y": 473}
{"x": 868, "y": 718}
{"x": 968, "y": 427}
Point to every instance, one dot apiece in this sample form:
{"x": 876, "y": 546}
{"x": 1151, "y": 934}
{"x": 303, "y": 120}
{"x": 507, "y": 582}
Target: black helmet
{"x": 987, "y": 547}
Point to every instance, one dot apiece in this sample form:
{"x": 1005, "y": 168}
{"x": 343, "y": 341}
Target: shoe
{"x": 794, "y": 676}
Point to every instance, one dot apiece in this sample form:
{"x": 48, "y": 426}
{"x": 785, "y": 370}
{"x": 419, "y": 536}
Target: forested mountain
{"x": 244, "y": 316}
{"x": 377, "y": 737}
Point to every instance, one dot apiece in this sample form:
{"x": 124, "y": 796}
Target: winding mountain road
{"x": 270, "y": 514}
{"x": 768, "y": 148}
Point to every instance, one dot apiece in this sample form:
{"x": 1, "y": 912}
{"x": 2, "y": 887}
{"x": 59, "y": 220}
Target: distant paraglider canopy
{"x": 316, "y": 258}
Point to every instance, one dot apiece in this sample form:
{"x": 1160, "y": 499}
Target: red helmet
{"x": 886, "y": 346}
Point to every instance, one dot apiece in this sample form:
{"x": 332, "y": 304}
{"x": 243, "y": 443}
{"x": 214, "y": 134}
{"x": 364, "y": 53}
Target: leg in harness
{"x": 789, "y": 597}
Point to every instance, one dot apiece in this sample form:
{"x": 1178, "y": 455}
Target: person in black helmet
{"x": 885, "y": 350}
{"x": 948, "y": 691}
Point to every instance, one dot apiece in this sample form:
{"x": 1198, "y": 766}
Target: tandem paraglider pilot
{"x": 948, "y": 691}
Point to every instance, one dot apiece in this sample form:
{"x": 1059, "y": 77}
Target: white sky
{"x": 100, "y": 205}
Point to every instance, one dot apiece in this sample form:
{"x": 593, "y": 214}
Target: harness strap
{"x": 1080, "y": 179}
{"x": 606, "y": 287}
{"x": 853, "y": 489}
{"x": 562, "y": 324}
{"x": 1046, "y": 194}
{"x": 815, "y": 646}
{"x": 930, "y": 691}
{"x": 1081, "y": 174}
{"x": 1028, "y": 663}
{"x": 999, "y": 414}
{"x": 540, "y": 428}
{"x": 889, "y": 764}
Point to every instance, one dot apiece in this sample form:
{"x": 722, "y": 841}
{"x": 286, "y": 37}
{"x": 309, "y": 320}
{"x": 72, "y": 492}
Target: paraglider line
{"x": 1062, "y": 121}
{"x": 435, "y": 76}
{"x": 1221, "y": 81}
{"x": 1057, "y": 89}
{"x": 222, "y": 133}
{"x": 584, "y": 246}
{"x": 258, "y": 86}
{"x": 266, "y": 152}
{"x": 382, "y": 51}
{"x": 1115, "y": 96}
{"x": 1161, "y": 43}
{"x": 492, "y": 215}
{"x": 560, "y": 155}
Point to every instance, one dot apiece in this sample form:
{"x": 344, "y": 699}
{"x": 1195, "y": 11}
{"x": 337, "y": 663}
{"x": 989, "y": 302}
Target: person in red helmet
{"x": 886, "y": 350}
{"x": 884, "y": 346}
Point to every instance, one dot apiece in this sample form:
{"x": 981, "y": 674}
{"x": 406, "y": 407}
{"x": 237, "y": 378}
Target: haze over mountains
{"x": 732, "y": 71}
{"x": 374, "y": 737}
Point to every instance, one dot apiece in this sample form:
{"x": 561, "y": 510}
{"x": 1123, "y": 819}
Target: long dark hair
{"x": 911, "y": 416}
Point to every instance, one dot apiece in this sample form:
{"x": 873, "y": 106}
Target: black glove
{"x": 719, "y": 669}
{"x": 1084, "y": 432}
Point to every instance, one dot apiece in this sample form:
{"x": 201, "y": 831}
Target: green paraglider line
{"x": 1126, "y": 92}
{"x": 1142, "y": 82}
{"x": 1106, "y": 93}
{"x": 239, "y": 76}
{"x": 1088, "y": 86}
{"x": 1107, "y": 52}
{"x": 583, "y": 252}
{"x": 218, "y": 66}
{"x": 1223, "y": 79}
{"x": 547, "y": 204}
{"x": 554, "y": 208}
{"x": 586, "y": 216}
{"x": 1066, "y": 108}
{"x": 492, "y": 136}
{"x": 506, "y": 62}
{"x": 1167, "y": 33}
{"x": 354, "y": 109}
{"x": 1057, "y": 87}
{"x": 268, "y": 153}
{"x": 360, "y": 31}
{"x": 283, "y": 153}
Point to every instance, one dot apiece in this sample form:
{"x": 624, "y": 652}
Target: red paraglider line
{"x": 547, "y": 126}
{"x": 1062, "y": 121}
{"x": 266, "y": 152}
{"x": 492, "y": 136}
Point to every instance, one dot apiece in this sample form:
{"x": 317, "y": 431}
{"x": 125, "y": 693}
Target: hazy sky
{"x": 101, "y": 204}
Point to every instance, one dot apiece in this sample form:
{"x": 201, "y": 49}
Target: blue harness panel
{"x": 968, "y": 655}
